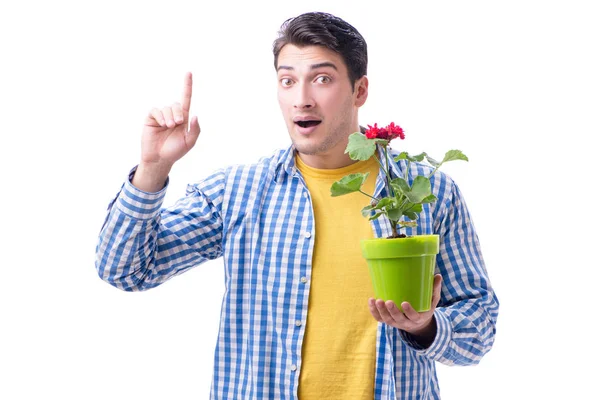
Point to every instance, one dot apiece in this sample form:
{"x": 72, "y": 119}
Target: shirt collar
{"x": 287, "y": 165}
{"x": 395, "y": 169}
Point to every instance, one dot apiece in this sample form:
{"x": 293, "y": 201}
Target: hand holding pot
{"x": 421, "y": 325}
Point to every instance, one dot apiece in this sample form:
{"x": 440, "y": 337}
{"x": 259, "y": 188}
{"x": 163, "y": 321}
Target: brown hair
{"x": 322, "y": 29}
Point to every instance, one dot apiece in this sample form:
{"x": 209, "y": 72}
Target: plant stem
{"x": 379, "y": 162}
{"x": 404, "y": 202}
{"x": 390, "y": 189}
{"x": 394, "y": 228}
{"x": 387, "y": 172}
{"x": 436, "y": 168}
{"x": 368, "y": 195}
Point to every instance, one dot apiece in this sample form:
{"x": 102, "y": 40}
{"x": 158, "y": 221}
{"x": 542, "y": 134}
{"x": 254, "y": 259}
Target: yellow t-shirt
{"x": 338, "y": 351}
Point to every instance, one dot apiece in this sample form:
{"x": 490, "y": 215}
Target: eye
{"x": 286, "y": 82}
{"x": 323, "y": 79}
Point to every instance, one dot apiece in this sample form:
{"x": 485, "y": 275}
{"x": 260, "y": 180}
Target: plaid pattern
{"x": 259, "y": 219}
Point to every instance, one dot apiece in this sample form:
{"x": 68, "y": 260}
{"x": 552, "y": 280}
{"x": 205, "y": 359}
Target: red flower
{"x": 392, "y": 131}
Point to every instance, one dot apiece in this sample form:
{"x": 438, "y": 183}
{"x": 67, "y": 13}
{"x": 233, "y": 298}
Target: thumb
{"x": 194, "y": 132}
{"x": 437, "y": 290}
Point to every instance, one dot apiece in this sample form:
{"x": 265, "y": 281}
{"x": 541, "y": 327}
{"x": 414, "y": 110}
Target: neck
{"x": 326, "y": 161}
{"x": 335, "y": 157}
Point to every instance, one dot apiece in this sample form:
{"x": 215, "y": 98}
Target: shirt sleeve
{"x": 142, "y": 245}
{"x": 467, "y": 313}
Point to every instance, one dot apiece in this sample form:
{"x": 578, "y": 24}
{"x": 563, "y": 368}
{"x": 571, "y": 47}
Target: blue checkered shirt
{"x": 259, "y": 218}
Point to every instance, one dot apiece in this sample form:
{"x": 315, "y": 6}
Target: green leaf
{"x": 429, "y": 199}
{"x": 411, "y": 215}
{"x": 415, "y": 208}
{"x": 386, "y": 201}
{"x": 359, "y": 147}
{"x": 421, "y": 188}
{"x": 418, "y": 157}
{"x": 452, "y": 155}
{"x": 375, "y": 216}
{"x": 348, "y": 184}
{"x": 394, "y": 214}
{"x": 404, "y": 156}
{"x": 400, "y": 185}
{"x": 366, "y": 211}
{"x": 401, "y": 156}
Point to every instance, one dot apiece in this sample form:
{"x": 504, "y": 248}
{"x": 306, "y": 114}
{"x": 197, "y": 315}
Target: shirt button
{"x": 298, "y": 323}
{"x": 303, "y": 279}
{"x": 307, "y": 234}
{"x": 305, "y": 195}
{"x": 293, "y": 367}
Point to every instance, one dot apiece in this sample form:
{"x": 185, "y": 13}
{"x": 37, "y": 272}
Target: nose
{"x": 303, "y": 98}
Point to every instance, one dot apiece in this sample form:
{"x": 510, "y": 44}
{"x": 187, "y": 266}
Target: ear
{"x": 361, "y": 91}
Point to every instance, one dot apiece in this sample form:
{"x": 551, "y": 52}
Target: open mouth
{"x": 307, "y": 124}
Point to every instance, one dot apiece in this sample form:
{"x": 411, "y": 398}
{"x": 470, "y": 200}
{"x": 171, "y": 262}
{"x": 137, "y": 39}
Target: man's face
{"x": 318, "y": 104}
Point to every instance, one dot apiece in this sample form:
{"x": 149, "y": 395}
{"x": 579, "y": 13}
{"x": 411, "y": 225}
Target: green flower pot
{"x": 402, "y": 269}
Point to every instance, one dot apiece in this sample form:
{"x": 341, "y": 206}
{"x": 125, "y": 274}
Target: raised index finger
{"x": 187, "y": 92}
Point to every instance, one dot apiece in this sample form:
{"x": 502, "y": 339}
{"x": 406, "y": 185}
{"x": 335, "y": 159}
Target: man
{"x": 297, "y": 320}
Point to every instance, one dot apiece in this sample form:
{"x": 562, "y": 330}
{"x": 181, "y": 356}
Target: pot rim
{"x": 412, "y": 246}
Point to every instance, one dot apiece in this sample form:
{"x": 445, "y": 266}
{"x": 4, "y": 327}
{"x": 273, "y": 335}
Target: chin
{"x": 305, "y": 148}
{"x": 310, "y": 149}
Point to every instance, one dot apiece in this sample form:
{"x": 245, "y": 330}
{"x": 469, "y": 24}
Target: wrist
{"x": 426, "y": 335}
{"x": 151, "y": 177}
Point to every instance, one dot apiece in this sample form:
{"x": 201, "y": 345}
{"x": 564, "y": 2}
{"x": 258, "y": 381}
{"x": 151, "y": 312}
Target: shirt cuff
{"x": 137, "y": 203}
{"x": 441, "y": 342}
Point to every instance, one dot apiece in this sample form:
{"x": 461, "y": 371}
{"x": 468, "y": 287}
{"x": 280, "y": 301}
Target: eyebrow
{"x": 314, "y": 66}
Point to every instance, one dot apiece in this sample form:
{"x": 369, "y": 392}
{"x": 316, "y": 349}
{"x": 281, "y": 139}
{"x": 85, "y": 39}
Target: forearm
{"x": 464, "y": 332}
{"x": 425, "y": 337}
{"x": 471, "y": 329}
{"x": 126, "y": 250}
{"x": 141, "y": 245}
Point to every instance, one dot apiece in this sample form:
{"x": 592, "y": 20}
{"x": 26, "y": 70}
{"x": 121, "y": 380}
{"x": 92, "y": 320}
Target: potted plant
{"x": 401, "y": 267}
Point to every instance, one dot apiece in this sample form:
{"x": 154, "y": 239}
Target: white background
{"x": 514, "y": 84}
